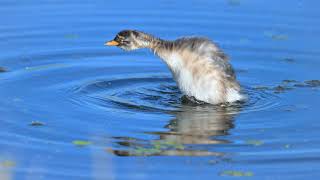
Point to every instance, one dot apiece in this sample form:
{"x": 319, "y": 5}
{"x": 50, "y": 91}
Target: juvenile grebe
{"x": 199, "y": 67}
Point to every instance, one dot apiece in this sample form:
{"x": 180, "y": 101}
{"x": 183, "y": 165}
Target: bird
{"x": 200, "y": 68}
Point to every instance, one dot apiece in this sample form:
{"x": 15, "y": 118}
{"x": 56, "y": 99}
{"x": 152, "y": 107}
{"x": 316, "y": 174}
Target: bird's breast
{"x": 197, "y": 77}
{"x": 183, "y": 75}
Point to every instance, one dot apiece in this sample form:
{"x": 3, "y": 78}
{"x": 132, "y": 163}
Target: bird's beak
{"x": 111, "y": 43}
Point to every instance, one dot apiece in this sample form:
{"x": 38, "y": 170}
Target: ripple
{"x": 154, "y": 94}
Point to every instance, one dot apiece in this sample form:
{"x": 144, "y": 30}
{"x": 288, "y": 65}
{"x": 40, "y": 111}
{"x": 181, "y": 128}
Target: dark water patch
{"x": 37, "y": 123}
{"x": 2, "y": 70}
{"x": 287, "y": 85}
{"x": 234, "y": 2}
{"x": 261, "y": 88}
{"x": 288, "y": 81}
{"x": 309, "y": 83}
{"x": 289, "y": 60}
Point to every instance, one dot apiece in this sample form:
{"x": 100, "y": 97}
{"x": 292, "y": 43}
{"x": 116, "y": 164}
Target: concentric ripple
{"x": 153, "y": 94}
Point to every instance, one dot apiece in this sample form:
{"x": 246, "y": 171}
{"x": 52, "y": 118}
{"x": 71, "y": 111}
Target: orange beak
{"x": 112, "y": 43}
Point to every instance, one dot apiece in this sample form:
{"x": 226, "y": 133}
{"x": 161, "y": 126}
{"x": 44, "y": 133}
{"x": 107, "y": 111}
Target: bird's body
{"x": 199, "y": 67}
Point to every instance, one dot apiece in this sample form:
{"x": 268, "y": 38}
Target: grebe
{"x": 199, "y": 67}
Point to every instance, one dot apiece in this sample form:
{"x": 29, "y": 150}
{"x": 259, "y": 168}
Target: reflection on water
{"x": 191, "y": 126}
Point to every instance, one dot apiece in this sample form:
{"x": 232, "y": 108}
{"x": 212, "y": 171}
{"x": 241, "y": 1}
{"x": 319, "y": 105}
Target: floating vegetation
{"x": 312, "y": 83}
{"x": 36, "y": 123}
{"x": 7, "y": 163}
{"x": 309, "y": 83}
{"x": 289, "y": 109}
{"x": 281, "y": 89}
{"x": 288, "y": 81}
{"x": 146, "y": 151}
{"x": 168, "y": 144}
{"x": 289, "y": 84}
{"x": 254, "y": 142}
{"x": 157, "y": 147}
{"x": 236, "y": 173}
{"x": 81, "y": 143}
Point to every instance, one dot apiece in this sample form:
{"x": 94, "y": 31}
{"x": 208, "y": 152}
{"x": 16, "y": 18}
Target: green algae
{"x": 236, "y": 173}
{"x": 81, "y": 143}
{"x": 254, "y": 142}
{"x": 8, "y": 164}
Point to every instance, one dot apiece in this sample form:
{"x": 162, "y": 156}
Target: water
{"x": 72, "y": 108}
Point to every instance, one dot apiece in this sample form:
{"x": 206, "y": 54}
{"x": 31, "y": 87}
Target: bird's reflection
{"x": 191, "y": 127}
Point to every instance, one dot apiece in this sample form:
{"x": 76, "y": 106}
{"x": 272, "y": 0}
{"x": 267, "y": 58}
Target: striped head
{"x": 130, "y": 40}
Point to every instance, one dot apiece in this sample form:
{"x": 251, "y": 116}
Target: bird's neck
{"x": 157, "y": 45}
{"x": 165, "y": 50}
{"x": 161, "y": 47}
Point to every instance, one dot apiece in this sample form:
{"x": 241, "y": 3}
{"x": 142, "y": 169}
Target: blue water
{"x": 72, "y": 108}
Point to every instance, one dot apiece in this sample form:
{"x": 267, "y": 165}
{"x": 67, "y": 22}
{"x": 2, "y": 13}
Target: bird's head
{"x": 130, "y": 40}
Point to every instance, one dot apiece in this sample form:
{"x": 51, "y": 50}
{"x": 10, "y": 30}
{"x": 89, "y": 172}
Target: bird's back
{"x": 204, "y": 48}
{"x": 202, "y": 70}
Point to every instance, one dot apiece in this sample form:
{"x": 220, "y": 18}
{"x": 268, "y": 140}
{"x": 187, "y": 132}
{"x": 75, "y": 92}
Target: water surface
{"x": 74, "y": 109}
